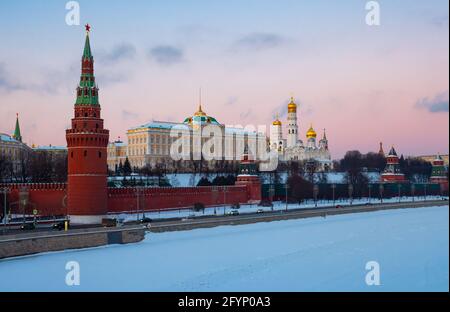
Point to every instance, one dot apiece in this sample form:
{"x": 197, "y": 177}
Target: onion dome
{"x": 311, "y": 134}
{"x": 277, "y": 122}
{"x": 200, "y": 117}
{"x": 292, "y": 107}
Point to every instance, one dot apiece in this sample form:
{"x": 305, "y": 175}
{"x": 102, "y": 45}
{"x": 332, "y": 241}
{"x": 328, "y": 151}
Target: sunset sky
{"x": 364, "y": 84}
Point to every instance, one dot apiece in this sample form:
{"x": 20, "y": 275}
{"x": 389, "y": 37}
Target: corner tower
{"x": 87, "y": 142}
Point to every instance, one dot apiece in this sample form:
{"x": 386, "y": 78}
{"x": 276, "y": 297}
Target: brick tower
{"x": 87, "y": 141}
{"x": 392, "y": 172}
{"x": 248, "y": 176}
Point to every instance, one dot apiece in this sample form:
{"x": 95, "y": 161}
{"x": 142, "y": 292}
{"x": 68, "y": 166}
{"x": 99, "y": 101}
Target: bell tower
{"x": 87, "y": 142}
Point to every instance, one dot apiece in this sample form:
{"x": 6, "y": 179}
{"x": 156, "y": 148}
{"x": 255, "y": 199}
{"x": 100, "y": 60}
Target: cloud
{"x": 280, "y": 110}
{"x": 166, "y": 55}
{"x": 5, "y": 81}
{"x": 231, "y": 100}
{"x": 127, "y": 115}
{"x": 440, "y": 21}
{"x": 120, "y": 52}
{"x": 437, "y": 104}
{"x": 246, "y": 114}
{"x": 259, "y": 41}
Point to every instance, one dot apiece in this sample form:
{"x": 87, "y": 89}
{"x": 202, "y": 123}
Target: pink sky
{"x": 363, "y": 85}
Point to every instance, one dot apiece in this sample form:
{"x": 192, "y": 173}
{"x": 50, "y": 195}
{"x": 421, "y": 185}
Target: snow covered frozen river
{"x": 317, "y": 254}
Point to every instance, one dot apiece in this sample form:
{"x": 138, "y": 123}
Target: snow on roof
{"x": 157, "y": 124}
{"x": 7, "y": 138}
{"x": 50, "y": 147}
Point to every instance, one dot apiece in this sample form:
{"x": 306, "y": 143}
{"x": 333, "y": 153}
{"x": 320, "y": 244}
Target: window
{"x": 85, "y": 153}
{"x": 99, "y": 154}
{"x": 71, "y": 155}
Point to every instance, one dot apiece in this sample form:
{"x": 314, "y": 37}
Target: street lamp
{"x": 271, "y": 194}
{"x": 413, "y": 190}
{"x": 138, "y": 201}
{"x": 5, "y": 191}
{"x": 425, "y": 191}
{"x": 224, "y": 199}
{"x": 370, "y": 193}
{"x": 333, "y": 186}
{"x": 286, "y": 187}
{"x": 381, "y": 188}
{"x": 350, "y": 193}
{"x": 315, "y": 193}
{"x": 399, "y": 186}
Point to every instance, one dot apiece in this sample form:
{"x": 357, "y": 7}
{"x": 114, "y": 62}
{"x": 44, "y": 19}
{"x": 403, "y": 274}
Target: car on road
{"x": 260, "y": 211}
{"x": 339, "y": 206}
{"x": 233, "y": 213}
{"x": 146, "y": 220}
{"x": 28, "y": 227}
{"x": 59, "y": 226}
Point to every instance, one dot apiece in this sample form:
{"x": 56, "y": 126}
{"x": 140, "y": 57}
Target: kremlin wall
{"x": 86, "y": 199}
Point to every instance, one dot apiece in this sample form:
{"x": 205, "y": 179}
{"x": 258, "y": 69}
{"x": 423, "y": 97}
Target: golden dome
{"x": 277, "y": 122}
{"x": 311, "y": 133}
{"x": 292, "y": 107}
{"x": 200, "y": 112}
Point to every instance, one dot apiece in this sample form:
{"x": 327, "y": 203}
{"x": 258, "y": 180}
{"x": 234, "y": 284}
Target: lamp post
{"x": 5, "y": 191}
{"x": 370, "y": 193}
{"x": 286, "y": 187}
{"x": 224, "y": 199}
{"x": 350, "y": 193}
{"x": 425, "y": 191}
{"x": 271, "y": 194}
{"x": 315, "y": 193}
{"x": 413, "y": 190}
{"x": 333, "y": 186}
{"x": 137, "y": 203}
{"x": 399, "y": 186}
{"x": 381, "y": 189}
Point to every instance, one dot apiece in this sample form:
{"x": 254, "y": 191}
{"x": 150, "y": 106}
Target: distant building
{"x": 292, "y": 148}
{"x": 53, "y": 151}
{"x": 13, "y": 149}
{"x": 431, "y": 158}
{"x": 150, "y": 144}
{"x": 117, "y": 154}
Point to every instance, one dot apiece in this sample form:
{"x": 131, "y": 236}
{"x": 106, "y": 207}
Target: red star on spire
{"x": 88, "y": 27}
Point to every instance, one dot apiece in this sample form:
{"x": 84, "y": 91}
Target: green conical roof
{"x": 17, "y": 134}
{"x": 87, "y": 48}
{"x": 87, "y": 91}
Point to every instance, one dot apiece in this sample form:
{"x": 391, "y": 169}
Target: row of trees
{"x": 42, "y": 167}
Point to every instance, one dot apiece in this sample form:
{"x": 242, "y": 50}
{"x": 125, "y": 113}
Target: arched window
{"x": 99, "y": 154}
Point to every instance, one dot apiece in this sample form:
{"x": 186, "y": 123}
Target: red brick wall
{"x": 48, "y": 198}
{"x": 126, "y": 199}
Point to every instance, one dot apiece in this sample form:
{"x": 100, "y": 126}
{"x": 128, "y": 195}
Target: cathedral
{"x": 294, "y": 149}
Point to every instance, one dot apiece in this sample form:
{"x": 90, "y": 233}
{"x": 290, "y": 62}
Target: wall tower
{"x": 87, "y": 142}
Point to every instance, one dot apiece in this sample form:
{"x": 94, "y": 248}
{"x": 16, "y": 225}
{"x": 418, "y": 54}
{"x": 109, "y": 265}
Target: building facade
{"x": 150, "y": 144}
{"x": 13, "y": 152}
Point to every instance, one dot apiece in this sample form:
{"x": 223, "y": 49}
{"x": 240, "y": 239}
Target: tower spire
{"x": 87, "y": 91}
{"x": 17, "y": 136}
